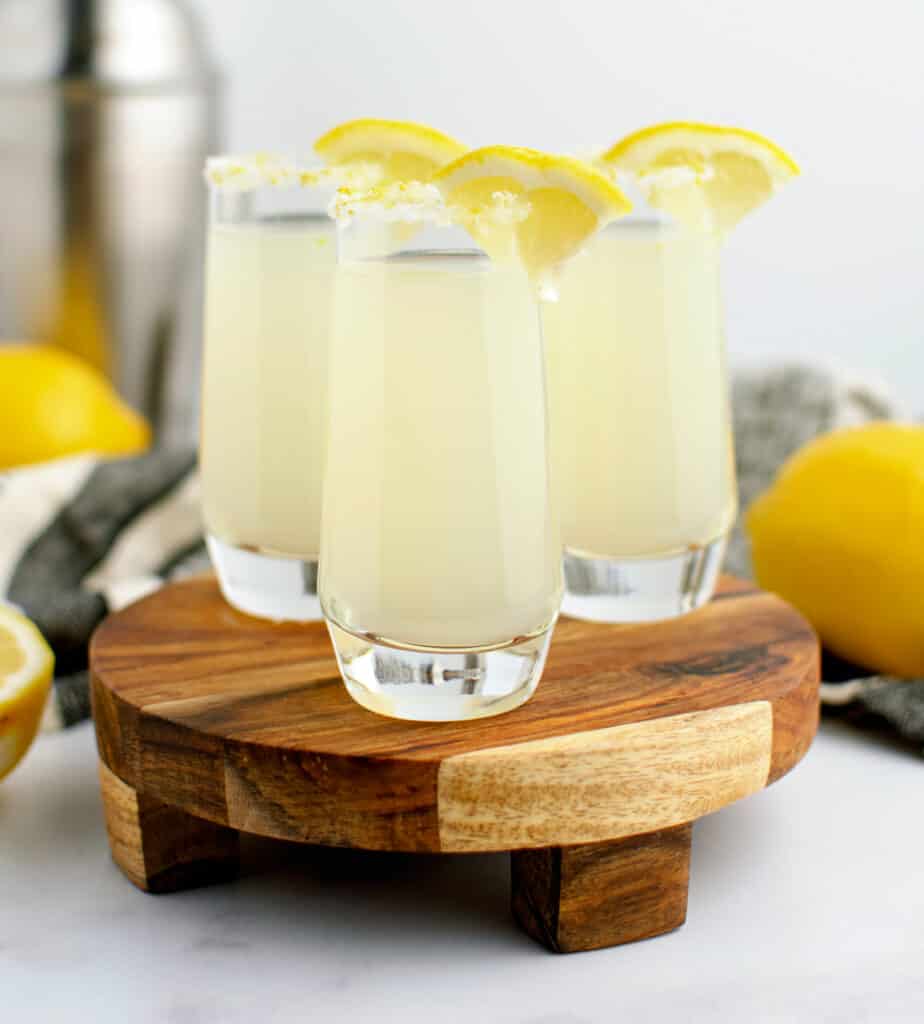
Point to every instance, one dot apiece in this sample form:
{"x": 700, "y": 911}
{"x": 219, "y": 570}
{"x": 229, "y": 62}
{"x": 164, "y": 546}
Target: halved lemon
{"x": 706, "y": 176}
{"x": 532, "y": 206}
{"x": 392, "y": 150}
{"x": 26, "y": 667}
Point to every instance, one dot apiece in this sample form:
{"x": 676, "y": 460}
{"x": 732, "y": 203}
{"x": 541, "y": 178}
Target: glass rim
{"x": 249, "y": 172}
{"x": 419, "y": 202}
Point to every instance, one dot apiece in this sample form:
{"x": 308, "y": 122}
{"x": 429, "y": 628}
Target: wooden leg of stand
{"x": 160, "y": 848}
{"x": 575, "y": 898}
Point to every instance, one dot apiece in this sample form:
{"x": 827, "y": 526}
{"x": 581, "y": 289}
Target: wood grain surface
{"x": 161, "y": 848}
{"x": 633, "y": 728}
{"x": 603, "y": 894}
{"x": 604, "y": 784}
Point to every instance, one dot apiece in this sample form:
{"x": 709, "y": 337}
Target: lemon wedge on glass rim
{"x": 389, "y": 151}
{"x": 26, "y": 667}
{"x": 706, "y": 176}
{"x": 521, "y": 204}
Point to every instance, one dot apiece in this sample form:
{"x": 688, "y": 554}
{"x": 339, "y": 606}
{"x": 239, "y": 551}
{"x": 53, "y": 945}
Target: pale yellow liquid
{"x": 438, "y": 524}
{"x": 641, "y": 438}
{"x": 268, "y": 296}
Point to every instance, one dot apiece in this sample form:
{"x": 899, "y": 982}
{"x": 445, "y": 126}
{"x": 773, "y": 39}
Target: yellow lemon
{"x": 536, "y": 207}
{"x": 53, "y": 404}
{"x": 840, "y": 535}
{"x": 393, "y": 150}
{"x": 26, "y": 667}
{"x": 706, "y": 176}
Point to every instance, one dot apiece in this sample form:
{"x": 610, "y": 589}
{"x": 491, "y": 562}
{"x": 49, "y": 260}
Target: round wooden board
{"x": 204, "y": 715}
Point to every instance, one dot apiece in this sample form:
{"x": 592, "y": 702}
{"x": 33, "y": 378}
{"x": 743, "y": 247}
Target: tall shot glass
{"x": 440, "y": 559}
{"x": 270, "y": 268}
{"x": 641, "y": 428}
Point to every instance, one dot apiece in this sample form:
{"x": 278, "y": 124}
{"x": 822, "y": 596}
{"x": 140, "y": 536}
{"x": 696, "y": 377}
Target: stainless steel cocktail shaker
{"x": 107, "y": 112}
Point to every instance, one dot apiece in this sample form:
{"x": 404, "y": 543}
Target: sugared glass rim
{"x": 416, "y": 201}
{"x": 249, "y": 172}
{"x": 357, "y": 192}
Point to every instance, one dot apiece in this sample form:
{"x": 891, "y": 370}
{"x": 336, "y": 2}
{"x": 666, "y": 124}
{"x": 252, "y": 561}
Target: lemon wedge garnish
{"x": 26, "y": 666}
{"x": 526, "y": 205}
{"x": 391, "y": 150}
{"x": 707, "y": 177}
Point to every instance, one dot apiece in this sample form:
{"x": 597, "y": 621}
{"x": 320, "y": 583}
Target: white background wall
{"x": 832, "y": 269}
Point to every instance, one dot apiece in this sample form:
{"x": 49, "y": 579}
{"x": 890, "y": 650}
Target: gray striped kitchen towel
{"x": 80, "y": 537}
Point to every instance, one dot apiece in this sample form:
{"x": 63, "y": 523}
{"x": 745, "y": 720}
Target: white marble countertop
{"x": 806, "y": 904}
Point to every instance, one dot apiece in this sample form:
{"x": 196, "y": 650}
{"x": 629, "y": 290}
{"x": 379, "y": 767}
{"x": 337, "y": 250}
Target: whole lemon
{"x": 52, "y": 404}
{"x": 840, "y": 534}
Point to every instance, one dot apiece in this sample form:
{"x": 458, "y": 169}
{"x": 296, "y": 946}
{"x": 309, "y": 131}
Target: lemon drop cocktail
{"x": 641, "y": 425}
{"x": 441, "y": 555}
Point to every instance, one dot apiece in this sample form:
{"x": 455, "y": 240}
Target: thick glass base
{"x": 438, "y": 685}
{"x": 641, "y": 589}
{"x": 268, "y": 586}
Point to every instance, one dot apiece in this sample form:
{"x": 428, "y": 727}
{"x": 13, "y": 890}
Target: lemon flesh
{"x": 555, "y": 203}
{"x": 26, "y": 667}
{"x": 707, "y": 177}
{"x": 395, "y": 150}
{"x": 53, "y": 404}
{"x": 839, "y": 535}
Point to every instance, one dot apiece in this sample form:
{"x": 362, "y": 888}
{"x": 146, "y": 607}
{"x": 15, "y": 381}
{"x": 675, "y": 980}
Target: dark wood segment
{"x": 795, "y": 721}
{"x": 577, "y": 898}
{"x": 334, "y": 801}
{"x": 247, "y": 723}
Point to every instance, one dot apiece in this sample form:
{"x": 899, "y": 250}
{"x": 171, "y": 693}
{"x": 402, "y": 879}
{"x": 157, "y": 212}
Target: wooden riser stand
{"x": 210, "y": 723}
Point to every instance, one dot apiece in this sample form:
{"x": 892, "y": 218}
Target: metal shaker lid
{"x": 112, "y": 43}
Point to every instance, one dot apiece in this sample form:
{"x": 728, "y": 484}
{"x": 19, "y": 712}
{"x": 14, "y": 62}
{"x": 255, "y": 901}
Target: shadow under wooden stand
{"x": 210, "y": 723}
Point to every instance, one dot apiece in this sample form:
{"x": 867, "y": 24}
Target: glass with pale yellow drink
{"x": 270, "y": 267}
{"x": 440, "y": 556}
{"x": 641, "y": 432}
{"x": 642, "y": 440}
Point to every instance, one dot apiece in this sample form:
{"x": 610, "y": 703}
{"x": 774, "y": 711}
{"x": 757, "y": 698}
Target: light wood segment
{"x": 120, "y": 806}
{"x": 605, "y": 784}
{"x": 602, "y": 894}
{"x": 160, "y": 848}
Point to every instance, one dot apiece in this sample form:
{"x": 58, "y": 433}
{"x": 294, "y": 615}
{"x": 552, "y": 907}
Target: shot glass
{"x": 270, "y": 268}
{"x": 641, "y": 434}
{"x": 440, "y": 554}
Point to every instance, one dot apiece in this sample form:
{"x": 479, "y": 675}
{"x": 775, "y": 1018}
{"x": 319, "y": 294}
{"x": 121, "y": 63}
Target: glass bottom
{"x": 264, "y": 585}
{"x": 641, "y": 589}
{"x": 438, "y": 685}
